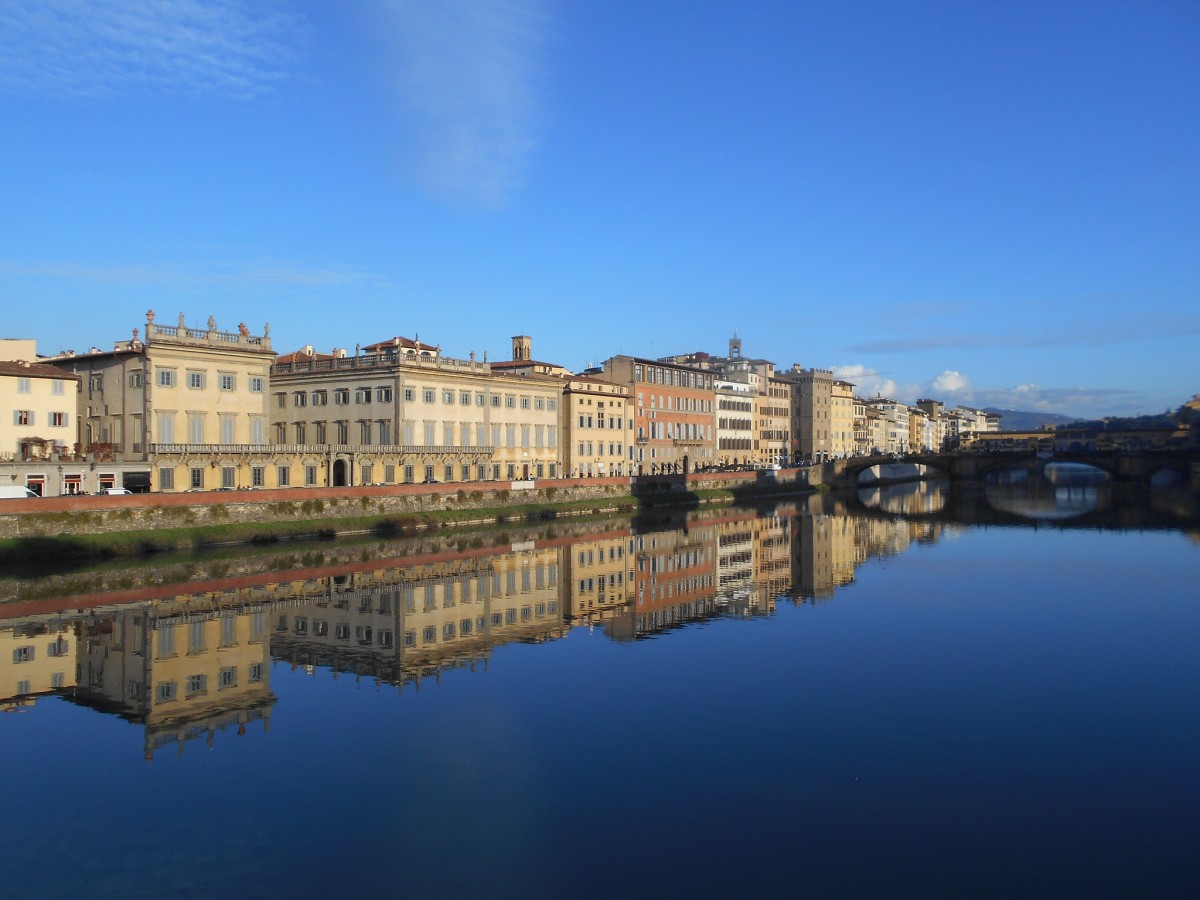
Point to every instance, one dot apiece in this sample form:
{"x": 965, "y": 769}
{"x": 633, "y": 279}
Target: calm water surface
{"x": 898, "y": 694}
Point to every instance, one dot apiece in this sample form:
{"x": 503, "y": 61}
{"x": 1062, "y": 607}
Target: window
{"x": 539, "y": 403}
{"x": 255, "y": 673}
{"x": 524, "y": 403}
{"x": 197, "y": 684}
{"x": 166, "y": 691}
{"x": 408, "y": 474}
{"x": 135, "y": 380}
{"x": 364, "y": 432}
{"x": 409, "y": 395}
{"x": 256, "y": 476}
{"x": 166, "y": 378}
{"x": 448, "y": 397}
{"x": 310, "y": 475}
{"x": 427, "y": 395}
{"x": 227, "y": 423}
{"x": 320, "y": 398}
{"x": 362, "y": 395}
{"x": 449, "y": 474}
{"x": 22, "y": 417}
{"x": 196, "y": 380}
{"x": 196, "y": 479}
{"x": 227, "y": 677}
{"x": 282, "y": 474}
{"x": 366, "y": 474}
{"x": 23, "y": 386}
{"x": 429, "y": 473}
{"x": 385, "y": 431}
{"x": 256, "y": 384}
{"x": 464, "y": 399}
{"x": 383, "y": 395}
{"x": 496, "y": 400}
{"x": 166, "y": 479}
{"x": 227, "y": 382}
{"x": 510, "y": 402}
{"x": 299, "y": 398}
{"x": 479, "y": 399}
{"x": 341, "y": 396}
{"x": 196, "y": 637}
{"x": 58, "y": 420}
{"x": 228, "y": 477}
{"x": 23, "y": 654}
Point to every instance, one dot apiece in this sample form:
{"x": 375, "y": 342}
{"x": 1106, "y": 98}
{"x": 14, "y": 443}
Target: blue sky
{"x": 990, "y": 203}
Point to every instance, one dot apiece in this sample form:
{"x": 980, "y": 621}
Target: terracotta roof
{"x": 301, "y": 355}
{"x": 406, "y": 343}
{"x": 33, "y": 370}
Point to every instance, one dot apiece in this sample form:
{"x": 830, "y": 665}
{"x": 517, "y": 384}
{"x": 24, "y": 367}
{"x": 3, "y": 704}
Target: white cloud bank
{"x": 955, "y": 389}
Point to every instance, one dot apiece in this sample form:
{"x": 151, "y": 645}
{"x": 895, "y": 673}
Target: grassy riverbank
{"x": 132, "y": 543}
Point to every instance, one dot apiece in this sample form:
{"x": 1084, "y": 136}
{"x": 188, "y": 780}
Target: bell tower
{"x": 522, "y": 347}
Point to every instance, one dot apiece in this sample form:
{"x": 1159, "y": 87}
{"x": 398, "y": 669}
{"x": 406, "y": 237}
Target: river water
{"x": 908, "y": 691}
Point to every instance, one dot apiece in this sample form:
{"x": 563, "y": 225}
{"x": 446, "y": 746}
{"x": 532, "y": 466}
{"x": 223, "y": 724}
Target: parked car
{"x": 115, "y": 491}
{"x": 16, "y": 492}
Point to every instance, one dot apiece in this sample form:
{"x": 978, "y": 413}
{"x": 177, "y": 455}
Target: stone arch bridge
{"x": 1121, "y": 466}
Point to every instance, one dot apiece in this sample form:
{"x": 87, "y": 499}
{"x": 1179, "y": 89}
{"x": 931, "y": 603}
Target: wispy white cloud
{"x": 464, "y": 73}
{"x": 1079, "y": 335}
{"x": 193, "y": 276}
{"x": 95, "y": 48}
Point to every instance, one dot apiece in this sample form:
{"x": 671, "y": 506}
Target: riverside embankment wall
{"x": 54, "y": 516}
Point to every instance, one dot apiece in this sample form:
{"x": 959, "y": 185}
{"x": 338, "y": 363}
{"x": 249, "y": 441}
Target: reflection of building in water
{"x": 183, "y": 666}
{"x": 675, "y": 581}
{"x": 598, "y": 578}
{"x": 403, "y": 623}
{"x": 827, "y": 548}
{"x": 183, "y": 671}
{"x": 36, "y": 658}
{"x": 911, "y": 498}
{"x": 773, "y": 564}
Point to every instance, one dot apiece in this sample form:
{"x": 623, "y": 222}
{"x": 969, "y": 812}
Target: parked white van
{"x": 16, "y": 492}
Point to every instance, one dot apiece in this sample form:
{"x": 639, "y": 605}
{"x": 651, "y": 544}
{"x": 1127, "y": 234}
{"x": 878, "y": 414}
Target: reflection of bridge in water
{"x": 1120, "y": 506}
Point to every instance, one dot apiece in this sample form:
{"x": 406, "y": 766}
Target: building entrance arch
{"x": 340, "y": 470}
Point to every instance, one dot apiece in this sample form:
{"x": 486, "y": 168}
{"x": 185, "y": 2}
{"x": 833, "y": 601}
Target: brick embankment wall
{"x": 53, "y": 516}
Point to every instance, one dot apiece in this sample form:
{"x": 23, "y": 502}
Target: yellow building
{"x": 597, "y": 428}
{"x": 162, "y": 406}
{"x": 774, "y": 421}
{"x": 842, "y": 441}
{"x": 38, "y": 419}
{"x": 399, "y": 411}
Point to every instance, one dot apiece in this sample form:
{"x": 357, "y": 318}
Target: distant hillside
{"x": 1016, "y": 420}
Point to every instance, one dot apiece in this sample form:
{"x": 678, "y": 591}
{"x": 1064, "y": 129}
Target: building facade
{"x": 674, "y": 414}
